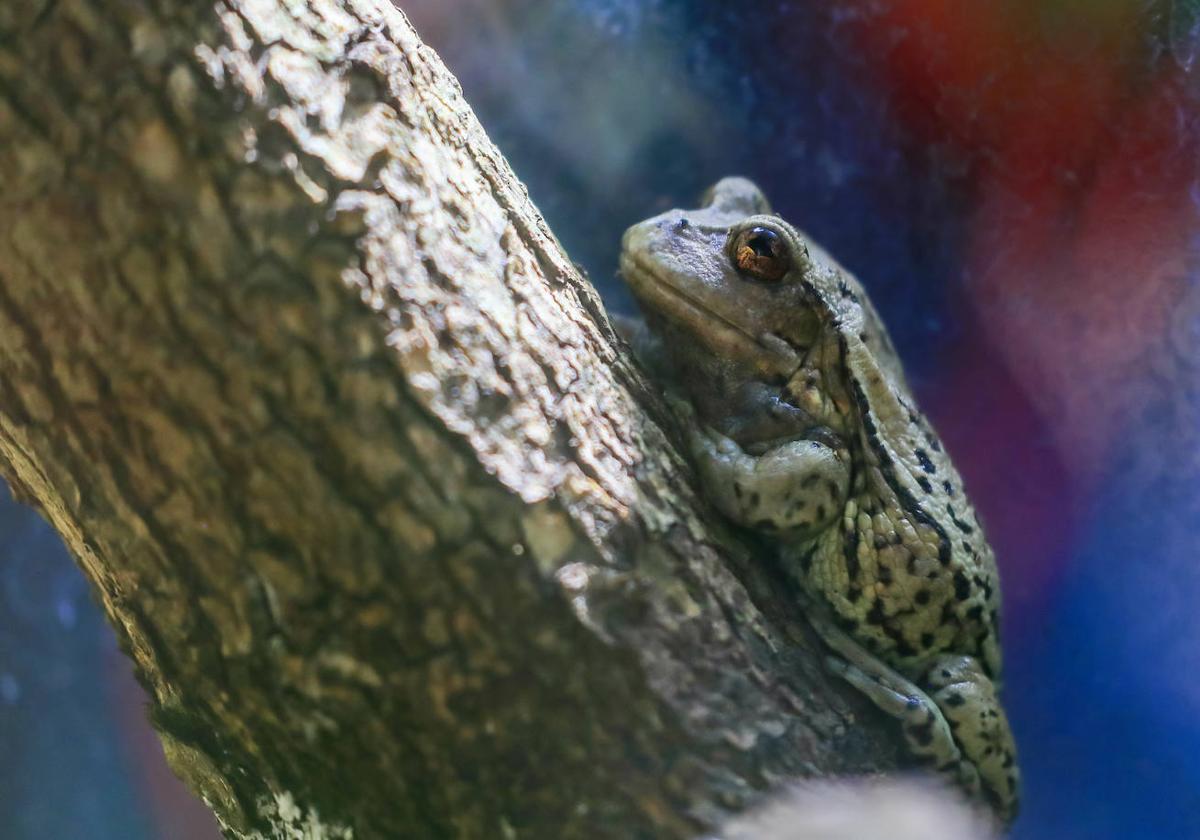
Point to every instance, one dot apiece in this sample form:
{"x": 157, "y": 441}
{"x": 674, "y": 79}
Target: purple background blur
{"x": 1017, "y": 185}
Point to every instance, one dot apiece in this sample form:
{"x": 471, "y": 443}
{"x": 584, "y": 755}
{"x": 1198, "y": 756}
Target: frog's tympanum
{"x": 803, "y": 429}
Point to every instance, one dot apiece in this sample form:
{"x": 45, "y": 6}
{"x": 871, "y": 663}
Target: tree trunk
{"x": 363, "y": 479}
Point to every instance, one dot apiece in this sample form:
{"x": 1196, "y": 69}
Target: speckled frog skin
{"x": 802, "y": 428}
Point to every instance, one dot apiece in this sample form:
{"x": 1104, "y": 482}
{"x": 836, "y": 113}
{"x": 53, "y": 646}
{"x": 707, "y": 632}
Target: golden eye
{"x": 761, "y": 253}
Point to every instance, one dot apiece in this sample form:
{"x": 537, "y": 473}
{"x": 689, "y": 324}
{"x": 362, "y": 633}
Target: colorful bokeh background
{"x": 1018, "y": 186}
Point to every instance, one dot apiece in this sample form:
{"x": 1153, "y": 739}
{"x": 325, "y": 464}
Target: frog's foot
{"x": 643, "y": 341}
{"x": 927, "y": 733}
{"x": 629, "y": 327}
{"x": 968, "y": 700}
{"x": 797, "y": 486}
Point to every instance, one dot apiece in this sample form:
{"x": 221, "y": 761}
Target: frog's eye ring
{"x": 761, "y": 253}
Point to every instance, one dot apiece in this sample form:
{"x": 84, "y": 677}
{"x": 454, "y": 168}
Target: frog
{"x": 803, "y": 430}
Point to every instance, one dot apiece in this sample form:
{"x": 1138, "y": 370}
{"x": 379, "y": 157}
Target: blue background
{"x": 1017, "y": 189}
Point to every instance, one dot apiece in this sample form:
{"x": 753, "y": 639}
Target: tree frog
{"x": 803, "y": 429}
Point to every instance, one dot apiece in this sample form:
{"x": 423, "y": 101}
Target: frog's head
{"x": 719, "y": 281}
{"x": 743, "y": 300}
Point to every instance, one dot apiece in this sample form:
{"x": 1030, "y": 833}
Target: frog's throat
{"x": 717, "y": 330}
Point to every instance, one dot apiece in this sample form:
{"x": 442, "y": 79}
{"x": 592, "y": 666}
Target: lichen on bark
{"x": 359, "y": 471}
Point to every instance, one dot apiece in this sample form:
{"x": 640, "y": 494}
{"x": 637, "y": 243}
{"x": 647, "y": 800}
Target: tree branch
{"x": 358, "y": 469}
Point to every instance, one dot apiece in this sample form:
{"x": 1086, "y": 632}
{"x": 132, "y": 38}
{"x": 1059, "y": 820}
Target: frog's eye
{"x": 761, "y": 253}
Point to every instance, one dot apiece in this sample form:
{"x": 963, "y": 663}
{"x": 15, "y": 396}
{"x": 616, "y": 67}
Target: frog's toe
{"x": 969, "y": 701}
{"x": 681, "y": 408}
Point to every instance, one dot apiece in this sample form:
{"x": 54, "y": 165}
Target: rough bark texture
{"x": 348, "y": 448}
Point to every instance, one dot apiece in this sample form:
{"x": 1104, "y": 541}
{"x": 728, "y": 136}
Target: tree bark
{"x": 368, "y": 488}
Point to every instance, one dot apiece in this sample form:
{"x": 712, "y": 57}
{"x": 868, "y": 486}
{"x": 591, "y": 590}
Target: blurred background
{"x": 1017, "y": 186}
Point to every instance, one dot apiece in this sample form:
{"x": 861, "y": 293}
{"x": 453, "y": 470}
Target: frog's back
{"x": 909, "y": 571}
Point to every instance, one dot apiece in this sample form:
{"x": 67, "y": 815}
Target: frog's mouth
{"x": 721, "y": 333}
